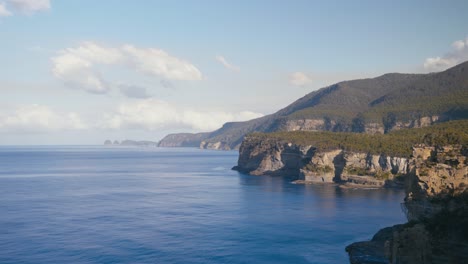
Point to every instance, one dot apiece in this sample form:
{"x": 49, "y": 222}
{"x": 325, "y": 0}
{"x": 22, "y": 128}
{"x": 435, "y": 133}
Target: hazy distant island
{"x": 141, "y": 143}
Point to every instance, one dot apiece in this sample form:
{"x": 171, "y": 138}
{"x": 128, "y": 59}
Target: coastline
{"x": 434, "y": 176}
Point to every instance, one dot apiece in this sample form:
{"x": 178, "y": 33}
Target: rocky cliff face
{"x": 304, "y": 124}
{"x": 260, "y": 156}
{"x": 369, "y": 127}
{"x": 419, "y": 122}
{"x": 272, "y": 157}
{"x": 436, "y": 205}
{"x": 439, "y": 174}
{"x": 218, "y": 145}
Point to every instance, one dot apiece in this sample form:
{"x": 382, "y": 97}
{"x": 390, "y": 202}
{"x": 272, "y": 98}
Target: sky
{"x": 81, "y": 72}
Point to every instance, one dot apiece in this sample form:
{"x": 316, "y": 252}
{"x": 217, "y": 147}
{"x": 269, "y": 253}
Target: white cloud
{"x": 159, "y": 63}
{"x": 460, "y": 44}
{"x": 78, "y": 67}
{"x": 4, "y": 11}
{"x": 38, "y": 118}
{"x": 75, "y": 66}
{"x": 29, "y": 6}
{"x": 152, "y": 115}
{"x": 458, "y": 54}
{"x": 299, "y": 79}
{"x": 226, "y": 64}
{"x": 439, "y": 63}
{"x": 141, "y": 115}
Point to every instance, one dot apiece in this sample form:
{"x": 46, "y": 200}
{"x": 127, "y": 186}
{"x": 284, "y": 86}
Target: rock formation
{"x": 267, "y": 156}
{"x": 436, "y": 205}
{"x": 218, "y": 145}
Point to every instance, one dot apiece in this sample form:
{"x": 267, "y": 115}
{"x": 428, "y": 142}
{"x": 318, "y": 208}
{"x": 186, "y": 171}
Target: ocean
{"x": 96, "y": 204}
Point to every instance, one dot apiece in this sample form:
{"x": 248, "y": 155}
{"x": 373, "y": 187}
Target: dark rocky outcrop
{"x": 271, "y": 157}
{"x": 373, "y": 251}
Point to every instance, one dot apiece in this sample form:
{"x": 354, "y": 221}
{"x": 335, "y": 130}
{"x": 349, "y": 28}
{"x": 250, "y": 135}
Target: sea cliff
{"x": 308, "y": 164}
{"x": 436, "y": 205}
{"x": 431, "y": 163}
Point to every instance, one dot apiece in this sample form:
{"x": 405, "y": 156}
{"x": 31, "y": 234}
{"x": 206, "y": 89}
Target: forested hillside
{"x": 378, "y": 105}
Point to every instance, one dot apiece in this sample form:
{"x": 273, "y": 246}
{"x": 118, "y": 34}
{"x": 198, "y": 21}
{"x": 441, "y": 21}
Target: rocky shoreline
{"x": 435, "y": 179}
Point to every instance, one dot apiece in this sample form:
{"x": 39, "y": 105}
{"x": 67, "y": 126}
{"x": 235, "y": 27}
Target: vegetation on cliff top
{"x": 396, "y": 143}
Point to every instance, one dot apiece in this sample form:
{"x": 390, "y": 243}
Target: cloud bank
{"x": 79, "y": 67}
{"x": 144, "y": 115}
{"x": 456, "y": 55}
{"x": 152, "y": 114}
{"x": 39, "y": 119}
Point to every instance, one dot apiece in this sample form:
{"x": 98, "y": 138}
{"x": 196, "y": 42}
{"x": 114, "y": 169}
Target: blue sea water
{"x": 95, "y": 204}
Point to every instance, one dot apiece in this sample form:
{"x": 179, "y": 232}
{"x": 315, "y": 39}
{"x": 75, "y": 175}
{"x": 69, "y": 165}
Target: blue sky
{"x": 79, "y": 72}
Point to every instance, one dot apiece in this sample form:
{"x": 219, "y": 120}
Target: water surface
{"x": 146, "y": 205}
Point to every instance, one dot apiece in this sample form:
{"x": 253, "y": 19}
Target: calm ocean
{"x": 93, "y": 204}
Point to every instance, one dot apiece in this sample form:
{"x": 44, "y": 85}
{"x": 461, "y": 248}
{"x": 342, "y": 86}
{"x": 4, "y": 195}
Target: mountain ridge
{"x": 372, "y": 105}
